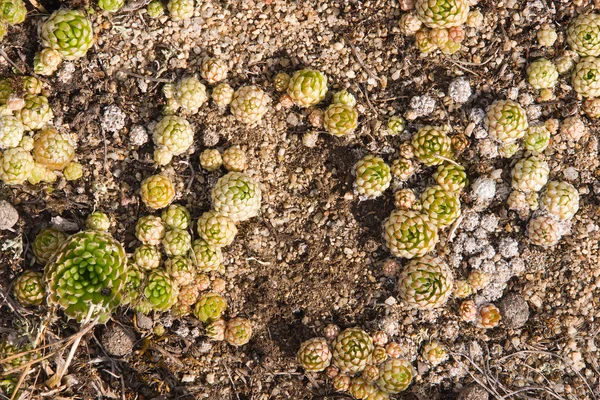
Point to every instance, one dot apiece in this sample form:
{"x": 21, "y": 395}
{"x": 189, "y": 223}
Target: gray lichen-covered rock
{"x": 514, "y": 310}
{"x": 473, "y": 392}
{"x": 8, "y": 215}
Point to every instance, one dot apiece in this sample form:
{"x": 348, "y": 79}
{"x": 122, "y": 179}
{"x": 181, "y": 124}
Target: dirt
{"x": 314, "y": 254}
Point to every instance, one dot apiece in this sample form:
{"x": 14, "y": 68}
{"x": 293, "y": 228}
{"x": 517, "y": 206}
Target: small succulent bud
{"x": 316, "y": 118}
{"x": 372, "y": 176}
{"x": 443, "y": 207}
{"x": 46, "y": 243}
{"x": 393, "y": 350}
{"x": 219, "y": 285}
{"x": 542, "y": 74}
{"x": 218, "y": 230}
{"x": 331, "y": 371}
{"x": 370, "y": 374}
{"x": 478, "y": 279}
{"x": 249, "y": 104}
{"x": 150, "y": 230}
{"x": 390, "y": 268}
{"x": 207, "y": 257}
{"x": 281, "y": 82}
{"x": 210, "y": 307}
{"x": 543, "y": 231}
{"x": 352, "y": 350}
{"x": 173, "y": 134}
{"x": 442, "y": 13}
{"x": 546, "y": 36}
{"x": 314, "y": 355}
{"x": 489, "y": 316}
{"x": 188, "y": 294}
{"x": 395, "y": 375}
{"x": 582, "y": 34}
{"x": 307, "y": 87}
{"x": 331, "y": 331}
{"x": 456, "y": 34}
{"x": 396, "y": 125}
{"x": 344, "y": 97}
{"x": 474, "y": 19}
{"x": 157, "y": 191}
{"x": 234, "y": 159}
{"x": 410, "y": 234}
{"x": 111, "y": 6}
{"x": 155, "y": 9}
{"x": 177, "y": 242}
{"x": 573, "y": 128}
{"x": 379, "y": 355}
{"x": 404, "y": 199}
{"x": 340, "y": 119}
{"x": 180, "y": 269}
{"x": 222, "y": 95}
{"x": 360, "y": 388}
{"x": 69, "y": 32}
{"x": 176, "y": 216}
{"x": 238, "y": 331}
{"x": 73, "y": 171}
{"x": 537, "y": 139}
{"x": 52, "y": 149}
{"x": 561, "y": 200}
{"x": 29, "y": 288}
{"x": 181, "y": 9}
{"x": 147, "y": 257}
{"x": 380, "y": 338}
{"x": 237, "y": 196}
{"x": 11, "y": 131}
{"x": 342, "y": 382}
{"x": 432, "y": 146}
{"x": 409, "y": 24}
{"x": 434, "y": 353}
{"x": 160, "y": 292}
{"x": 530, "y": 174}
{"x": 451, "y": 177}
{"x": 26, "y": 143}
{"x": 215, "y": 330}
{"x": 462, "y": 289}
{"x": 585, "y": 78}
{"x": 506, "y": 121}
{"x": 162, "y": 156}
{"x": 468, "y": 311}
{"x": 211, "y": 159}
{"x": 403, "y": 168}
{"x": 46, "y": 61}
{"x": 591, "y": 107}
{"x": 425, "y": 283}
{"x": 214, "y": 70}
{"x": 98, "y": 221}
{"x": 424, "y": 43}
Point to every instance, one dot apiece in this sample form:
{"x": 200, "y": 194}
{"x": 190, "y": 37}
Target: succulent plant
{"x": 214, "y": 70}
{"x": 314, "y": 355}
{"x": 68, "y": 32}
{"x": 462, "y": 289}
{"x": 425, "y": 283}
{"x": 39, "y": 173}
{"x": 380, "y": 338}
{"x": 210, "y": 307}
{"x": 26, "y": 143}
{"x": 15, "y": 166}
{"x": 370, "y": 374}
{"x": 177, "y": 242}
{"x": 46, "y": 243}
{"x": 218, "y": 230}
{"x": 506, "y": 121}
{"x": 234, "y": 159}
{"x": 147, "y": 257}
{"x": 591, "y": 107}
{"x": 451, "y": 177}
{"x": 530, "y": 174}
{"x": 133, "y": 284}
{"x": 150, "y": 230}
{"x": 207, "y": 257}
{"x": 73, "y": 171}
{"x": 181, "y": 9}
{"x": 377, "y": 395}
{"x": 18, "y": 350}
{"x": 162, "y": 156}
{"x": 13, "y": 11}
{"x": 174, "y": 134}
{"x": 111, "y": 5}
{"x": 583, "y": 34}
{"x": 87, "y": 275}
{"x": 395, "y": 375}
{"x": 404, "y": 199}
{"x": 547, "y": 36}
{"x": 403, "y": 168}
{"x": 410, "y": 234}
{"x": 344, "y": 97}
{"x": 155, "y": 9}
{"x": 160, "y": 292}
{"x": 542, "y": 74}
{"x": 423, "y": 40}
{"x": 431, "y": 146}
{"x": 157, "y": 191}
{"x": 281, "y": 81}
{"x": 176, "y": 216}
{"x": 180, "y": 269}
{"x": 52, "y": 150}
{"x": 331, "y": 331}
{"x": 340, "y": 119}
{"x": 29, "y": 288}
{"x": 188, "y": 293}
{"x": 442, "y": 13}
{"x": 237, "y": 196}
{"x": 536, "y": 139}
{"x": 215, "y": 330}
{"x": 360, "y": 388}
{"x": 238, "y": 331}
{"x": 342, "y": 382}
{"x": 478, "y": 279}
{"x": 434, "y": 353}
{"x": 11, "y": 131}
{"x": 352, "y": 350}
{"x": 372, "y": 176}
{"x": 46, "y": 61}
{"x": 586, "y": 77}
{"x": 307, "y": 87}
{"x": 443, "y": 207}
{"x": 409, "y": 24}
{"x": 36, "y": 113}
{"x": 396, "y": 125}
{"x": 249, "y": 104}
{"x": 222, "y": 94}
{"x": 468, "y": 311}
{"x": 489, "y": 316}
{"x": 211, "y": 159}
{"x": 379, "y": 355}
{"x": 97, "y": 221}
{"x": 543, "y": 231}
{"x": 190, "y": 94}
{"x": 561, "y": 199}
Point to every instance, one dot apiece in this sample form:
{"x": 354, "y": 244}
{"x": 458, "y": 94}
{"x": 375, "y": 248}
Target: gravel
{"x": 117, "y": 340}
{"x": 9, "y": 216}
{"x": 473, "y": 392}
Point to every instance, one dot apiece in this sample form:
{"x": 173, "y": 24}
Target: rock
{"x": 8, "y": 215}
{"x": 473, "y": 392}
{"x": 143, "y": 321}
{"x": 117, "y": 340}
{"x": 514, "y": 310}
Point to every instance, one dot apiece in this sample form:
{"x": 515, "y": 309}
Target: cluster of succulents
{"x": 31, "y": 151}
{"x": 366, "y": 366}
{"x": 65, "y": 35}
{"x": 439, "y": 24}
{"x": 17, "y": 350}
{"x": 486, "y": 315}
{"x": 12, "y": 12}
{"x": 307, "y": 88}
{"x": 234, "y": 159}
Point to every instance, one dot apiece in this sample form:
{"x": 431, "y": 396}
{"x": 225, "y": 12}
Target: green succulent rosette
{"x": 373, "y": 176}
{"x": 87, "y": 276}
{"x": 410, "y": 233}
{"x": 314, "y": 355}
{"x": 443, "y": 207}
{"x": 210, "y": 307}
{"x": 69, "y": 32}
{"x": 13, "y": 11}
{"x": 395, "y": 375}
{"x": 237, "y": 196}
{"x": 451, "y": 177}
{"x": 425, "y": 283}
{"x": 442, "y": 13}
{"x": 176, "y": 216}
{"x": 29, "y": 288}
{"x": 160, "y": 292}
{"x": 307, "y": 87}
{"x": 111, "y": 5}
{"x": 583, "y": 34}
{"x": 98, "y": 221}
{"x": 133, "y": 285}
{"x": 352, "y": 350}
{"x": 46, "y": 243}
{"x": 432, "y": 146}
{"x": 206, "y": 257}
{"x": 340, "y": 119}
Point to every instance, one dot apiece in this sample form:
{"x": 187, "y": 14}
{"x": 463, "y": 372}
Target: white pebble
{"x": 460, "y": 90}
{"x": 8, "y": 215}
